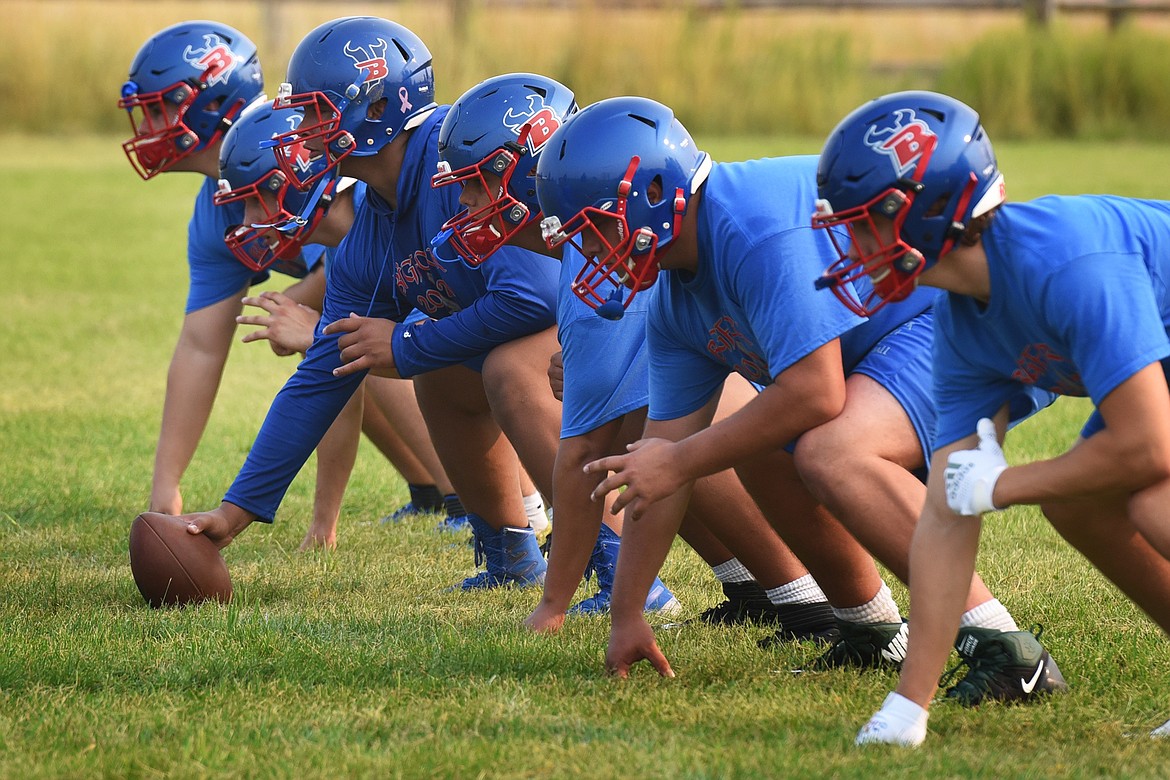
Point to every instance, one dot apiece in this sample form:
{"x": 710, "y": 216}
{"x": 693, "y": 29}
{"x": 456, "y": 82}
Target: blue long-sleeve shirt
{"x": 384, "y": 268}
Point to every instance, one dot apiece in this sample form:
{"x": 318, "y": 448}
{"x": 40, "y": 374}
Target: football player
{"x": 1061, "y": 293}
{"x": 366, "y": 88}
{"x": 187, "y": 86}
{"x": 274, "y": 230}
{"x": 834, "y": 437}
{"x": 489, "y": 144}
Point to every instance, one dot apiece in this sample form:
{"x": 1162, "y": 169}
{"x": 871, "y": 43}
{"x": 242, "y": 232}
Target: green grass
{"x": 356, "y": 662}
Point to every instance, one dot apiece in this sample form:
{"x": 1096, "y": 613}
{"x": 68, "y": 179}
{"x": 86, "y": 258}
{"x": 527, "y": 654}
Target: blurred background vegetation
{"x": 737, "y": 70}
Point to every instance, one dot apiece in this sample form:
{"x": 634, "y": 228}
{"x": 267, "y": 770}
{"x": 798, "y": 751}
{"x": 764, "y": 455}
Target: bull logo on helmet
{"x": 905, "y": 139}
{"x": 371, "y": 59}
{"x": 214, "y": 61}
{"x": 541, "y": 122}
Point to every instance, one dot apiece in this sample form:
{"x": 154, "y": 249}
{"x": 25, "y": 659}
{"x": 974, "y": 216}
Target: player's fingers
{"x": 610, "y": 483}
{"x": 255, "y": 335}
{"x": 353, "y": 366}
{"x": 611, "y": 463}
{"x": 254, "y": 319}
{"x": 276, "y": 296}
{"x": 197, "y": 524}
{"x": 618, "y": 669}
{"x": 260, "y": 302}
{"x": 635, "y": 445}
{"x": 347, "y": 325}
{"x": 621, "y": 502}
{"x": 658, "y": 661}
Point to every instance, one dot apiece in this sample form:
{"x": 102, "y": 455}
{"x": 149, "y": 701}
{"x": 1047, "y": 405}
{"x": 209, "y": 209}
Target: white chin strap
{"x": 701, "y": 173}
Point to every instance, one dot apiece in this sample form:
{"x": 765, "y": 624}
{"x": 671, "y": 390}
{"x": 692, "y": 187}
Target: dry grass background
{"x": 754, "y": 71}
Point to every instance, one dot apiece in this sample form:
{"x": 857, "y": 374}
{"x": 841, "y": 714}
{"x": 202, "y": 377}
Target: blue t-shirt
{"x": 1079, "y": 304}
{"x": 606, "y": 361}
{"x": 215, "y": 273}
{"x": 752, "y": 306}
{"x": 384, "y": 268}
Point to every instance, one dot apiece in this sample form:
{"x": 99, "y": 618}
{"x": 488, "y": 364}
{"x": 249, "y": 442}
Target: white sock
{"x": 732, "y": 571}
{"x": 534, "y": 510}
{"x": 880, "y": 609}
{"x": 989, "y": 614}
{"x": 803, "y": 590}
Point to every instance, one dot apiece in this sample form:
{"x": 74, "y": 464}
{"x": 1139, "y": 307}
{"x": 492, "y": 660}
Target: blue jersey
{"x": 215, "y": 273}
{"x": 752, "y": 306}
{"x": 606, "y": 362}
{"x": 384, "y": 268}
{"x": 1079, "y": 303}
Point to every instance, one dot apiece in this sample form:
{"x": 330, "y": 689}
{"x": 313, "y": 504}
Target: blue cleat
{"x": 511, "y": 556}
{"x": 603, "y": 563}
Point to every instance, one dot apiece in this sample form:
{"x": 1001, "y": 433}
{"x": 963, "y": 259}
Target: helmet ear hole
{"x": 654, "y": 191}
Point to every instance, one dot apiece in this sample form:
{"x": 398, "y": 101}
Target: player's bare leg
{"x": 336, "y": 455}
{"x": 395, "y": 400}
{"x": 516, "y": 385}
{"x": 860, "y": 466}
{"x": 578, "y": 520}
{"x": 845, "y": 571}
{"x": 1103, "y": 532}
{"x": 478, "y": 458}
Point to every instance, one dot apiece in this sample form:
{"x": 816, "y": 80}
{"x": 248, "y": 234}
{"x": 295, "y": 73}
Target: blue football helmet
{"x": 596, "y": 175}
{"x": 275, "y": 226}
{"x": 337, "y": 74}
{"x": 497, "y": 129}
{"x": 920, "y": 159}
{"x": 186, "y": 85}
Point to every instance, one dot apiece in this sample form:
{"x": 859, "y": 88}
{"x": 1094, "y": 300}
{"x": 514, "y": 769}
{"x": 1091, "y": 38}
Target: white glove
{"x": 1161, "y": 731}
{"x": 899, "y": 722}
{"x": 971, "y": 474}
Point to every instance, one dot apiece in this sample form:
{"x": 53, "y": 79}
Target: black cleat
{"x": 1008, "y": 666}
{"x": 865, "y": 645}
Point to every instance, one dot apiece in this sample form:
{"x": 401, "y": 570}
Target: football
{"x": 172, "y": 567}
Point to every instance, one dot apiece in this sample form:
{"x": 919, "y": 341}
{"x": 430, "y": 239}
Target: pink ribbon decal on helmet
{"x": 403, "y": 95}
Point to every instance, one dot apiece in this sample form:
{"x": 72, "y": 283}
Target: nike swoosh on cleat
{"x": 1028, "y": 685}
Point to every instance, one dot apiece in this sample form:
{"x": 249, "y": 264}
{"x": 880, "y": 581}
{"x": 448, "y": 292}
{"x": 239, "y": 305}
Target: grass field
{"x": 356, "y": 663}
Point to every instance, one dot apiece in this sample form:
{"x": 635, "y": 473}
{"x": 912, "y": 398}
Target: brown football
{"x": 172, "y": 567}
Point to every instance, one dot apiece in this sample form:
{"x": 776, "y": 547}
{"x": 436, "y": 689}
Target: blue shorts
{"x": 607, "y": 370}
{"x": 901, "y": 362}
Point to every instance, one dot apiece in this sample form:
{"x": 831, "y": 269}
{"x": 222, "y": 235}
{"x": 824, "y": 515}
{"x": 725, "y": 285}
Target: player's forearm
{"x": 645, "y": 544}
{"x": 299, "y": 417}
{"x": 768, "y": 422}
{"x": 578, "y": 520}
{"x": 1097, "y": 466}
{"x": 192, "y": 384}
{"x": 491, "y": 320}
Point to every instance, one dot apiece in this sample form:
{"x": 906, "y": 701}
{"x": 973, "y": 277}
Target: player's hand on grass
{"x": 287, "y": 325}
{"x": 545, "y": 619}
{"x": 971, "y": 474}
{"x": 556, "y": 375}
{"x": 648, "y": 472}
{"x": 319, "y": 539}
{"x": 220, "y": 525}
{"x": 365, "y": 345}
{"x": 630, "y": 642}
